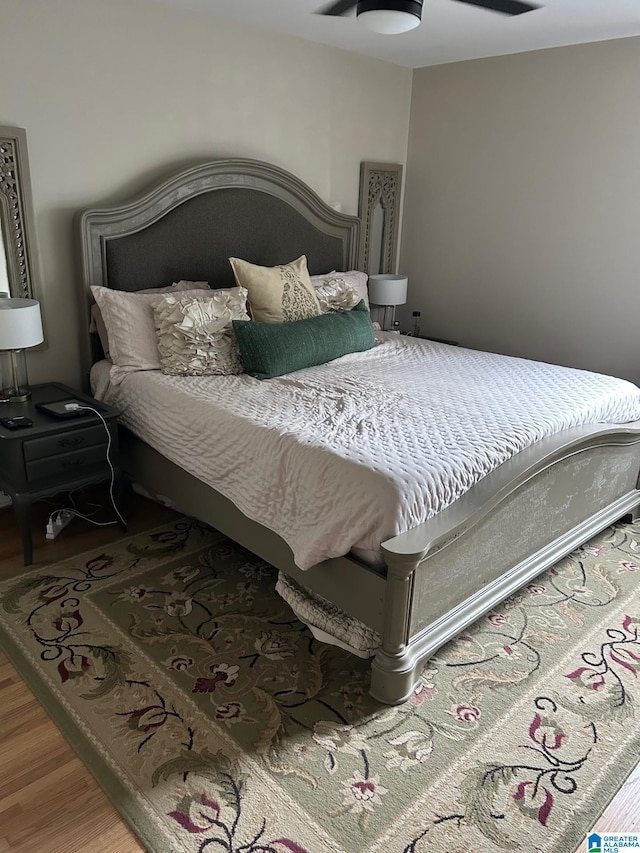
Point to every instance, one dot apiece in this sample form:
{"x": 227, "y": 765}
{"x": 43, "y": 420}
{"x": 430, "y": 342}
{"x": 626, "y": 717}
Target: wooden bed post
{"x": 393, "y": 670}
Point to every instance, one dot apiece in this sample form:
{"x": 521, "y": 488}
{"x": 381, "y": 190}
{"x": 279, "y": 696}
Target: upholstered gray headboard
{"x": 190, "y": 224}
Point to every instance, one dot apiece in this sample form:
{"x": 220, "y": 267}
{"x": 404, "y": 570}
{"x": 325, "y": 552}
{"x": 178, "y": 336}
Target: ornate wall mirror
{"x": 16, "y": 216}
{"x": 379, "y": 212}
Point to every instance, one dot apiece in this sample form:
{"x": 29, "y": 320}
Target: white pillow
{"x": 180, "y": 286}
{"x": 128, "y": 318}
{"x": 357, "y": 280}
{"x": 98, "y": 325}
{"x": 195, "y": 336}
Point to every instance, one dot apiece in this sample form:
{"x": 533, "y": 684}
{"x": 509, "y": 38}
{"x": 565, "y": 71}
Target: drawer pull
{"x": 71, "y": 442}
{"x": 73, "y": 463}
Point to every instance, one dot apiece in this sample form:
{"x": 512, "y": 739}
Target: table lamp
{"x": 387, "y": 290}
{"x": 20, "y": 328}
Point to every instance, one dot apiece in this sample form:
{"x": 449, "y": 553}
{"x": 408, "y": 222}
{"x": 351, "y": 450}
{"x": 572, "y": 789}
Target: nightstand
{"x": 54, "y": 455}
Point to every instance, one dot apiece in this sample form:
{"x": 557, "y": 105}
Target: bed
{"x": 437, "y": 576}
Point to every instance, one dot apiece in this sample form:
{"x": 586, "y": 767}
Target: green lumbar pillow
{"x": 271, "y": 349}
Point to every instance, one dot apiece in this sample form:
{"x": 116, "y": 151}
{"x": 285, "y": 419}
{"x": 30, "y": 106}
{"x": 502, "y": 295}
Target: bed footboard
{"x": 516, "y": 523}
{"x": 444, "y": 574}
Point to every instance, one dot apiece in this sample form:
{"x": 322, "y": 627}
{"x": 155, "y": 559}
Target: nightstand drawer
{"x": 67, "y": 464}
{"x": 66, "y": 442}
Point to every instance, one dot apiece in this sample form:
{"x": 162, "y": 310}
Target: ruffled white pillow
{"x": 128, "y": 318}
{"x": 195, "y": 336}
{"x": 337, "y": 295}
{"x": 358, "y": 281}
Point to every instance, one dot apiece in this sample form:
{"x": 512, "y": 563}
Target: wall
{"x": 522, "y": 206}
{"x": 114, "y": 94}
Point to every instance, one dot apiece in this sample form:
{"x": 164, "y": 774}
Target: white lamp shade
{"x": 388, "y": 21}
{"x": 20, "y": 324}
{"x": 387, "y": 289}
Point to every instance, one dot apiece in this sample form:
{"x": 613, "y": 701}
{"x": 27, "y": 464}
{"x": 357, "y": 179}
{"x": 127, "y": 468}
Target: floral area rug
{"x": 216, "y": 722}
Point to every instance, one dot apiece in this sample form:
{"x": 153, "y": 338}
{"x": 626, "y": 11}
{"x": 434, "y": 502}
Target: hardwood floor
{"x": 49, "y": 801}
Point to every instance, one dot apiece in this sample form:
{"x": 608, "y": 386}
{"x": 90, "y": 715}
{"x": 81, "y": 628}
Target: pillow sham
{"x": 131, "y": 332}
{"x": 358, "y": 280}
{"x": 277, "y": 294}
{"x": 272, "y": 349}
{"x": 194, "y": 334}
{"x": 97, "y": 322}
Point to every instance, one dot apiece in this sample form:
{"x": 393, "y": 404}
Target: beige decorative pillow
{"x": 337, "y": 295}
{"x": 358, "y": 281}
{"x": 278, "y": 294}
{"x": 195, "y": 336}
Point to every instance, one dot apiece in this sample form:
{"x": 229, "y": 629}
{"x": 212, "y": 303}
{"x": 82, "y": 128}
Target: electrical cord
{"x": 74, "y": 512}
{"x": 62, "y": 506}
{"x": 90, "y": 505}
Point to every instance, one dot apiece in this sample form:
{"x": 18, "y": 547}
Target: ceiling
{"x": 450, "y": 31}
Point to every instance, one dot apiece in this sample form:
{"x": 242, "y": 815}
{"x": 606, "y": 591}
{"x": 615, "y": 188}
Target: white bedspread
{"x": 351, "y": 453}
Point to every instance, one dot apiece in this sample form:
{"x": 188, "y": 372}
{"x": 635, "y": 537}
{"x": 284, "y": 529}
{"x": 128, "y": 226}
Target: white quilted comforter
{"x": 353, "y": 452}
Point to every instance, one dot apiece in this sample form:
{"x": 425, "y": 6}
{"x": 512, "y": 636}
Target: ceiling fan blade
{"x": 340, "y": 7}
{"x": 507, "y": 7}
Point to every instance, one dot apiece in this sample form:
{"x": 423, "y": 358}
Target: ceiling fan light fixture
{"x": 389, "y": 17}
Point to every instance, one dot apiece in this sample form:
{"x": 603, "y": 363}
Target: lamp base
{"x": 388, "y": 317}
{"x": 22, "y": 398}
{"x": 13, "y": 376}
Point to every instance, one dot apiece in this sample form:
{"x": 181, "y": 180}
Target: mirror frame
{"x": 17, "y": 228}
{"x": 380, "y": 183}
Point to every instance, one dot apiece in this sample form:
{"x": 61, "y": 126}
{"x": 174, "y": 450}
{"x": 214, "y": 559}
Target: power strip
{"x": 59, "y": 523}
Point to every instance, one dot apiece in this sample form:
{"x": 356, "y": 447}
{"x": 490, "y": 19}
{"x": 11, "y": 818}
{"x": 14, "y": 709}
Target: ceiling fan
{"x": 398, "y": 16}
